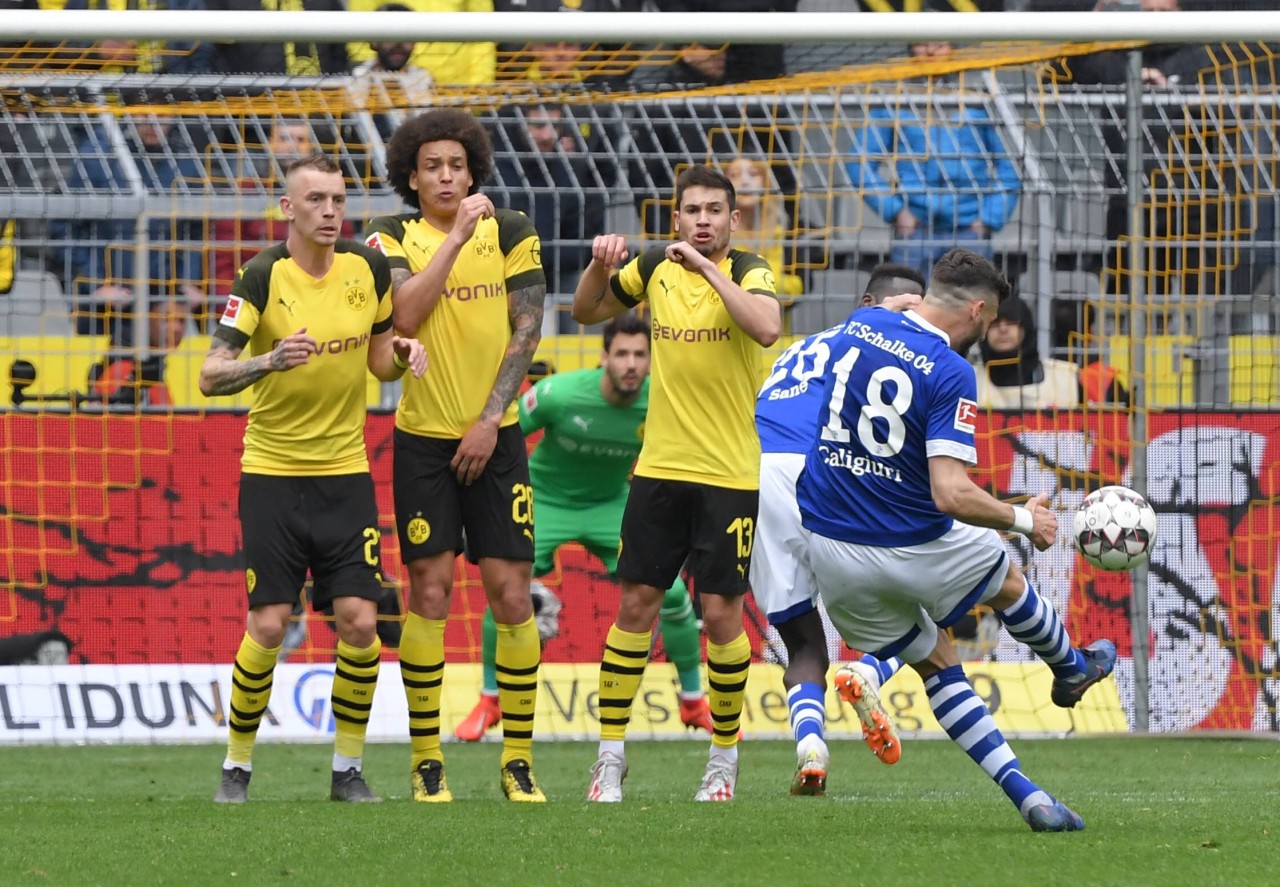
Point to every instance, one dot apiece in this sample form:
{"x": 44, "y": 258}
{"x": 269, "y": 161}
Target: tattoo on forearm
{"x": 231, "y": 376}
{"x": 526, "y": 331}
{"x": 398, "y": 277}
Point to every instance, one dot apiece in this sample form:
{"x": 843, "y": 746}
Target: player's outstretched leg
{"x": 968, "y": 722}
{"x": 621, "y": 669}
{"x": 1100, "y": 661}
{"x": 251, "y": 679}
{"x": 355, "y": 673}
{"x": 487, "y": 713}
{"x": 422, "y": 671}
{"x": 1032, "y": 620}
{"x": 517, "y": 656}
{"x": 858, "y": 684}
{"x": 682, "y": 641}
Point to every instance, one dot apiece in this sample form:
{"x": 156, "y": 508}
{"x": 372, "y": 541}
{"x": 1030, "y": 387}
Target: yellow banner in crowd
{"x": 1018, "y": 695}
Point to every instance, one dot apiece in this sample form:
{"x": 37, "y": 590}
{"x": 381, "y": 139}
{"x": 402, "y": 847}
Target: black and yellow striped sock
{"x": 519, "y": 652}
{"x": 727, "y": 674}
{"x": 251, "y": 678}
{"x": 422, "y": 670}
{"x": 355, "y": 677}
{"x": 625, "y": 655}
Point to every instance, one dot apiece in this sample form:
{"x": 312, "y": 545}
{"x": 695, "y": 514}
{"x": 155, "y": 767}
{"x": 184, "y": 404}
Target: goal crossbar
{"x": 622, "y": 27}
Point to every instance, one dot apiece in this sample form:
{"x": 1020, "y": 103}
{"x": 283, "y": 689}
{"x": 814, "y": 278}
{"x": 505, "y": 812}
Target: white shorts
{"x": 891, "y": 601}
{"x": 781, "y": 579}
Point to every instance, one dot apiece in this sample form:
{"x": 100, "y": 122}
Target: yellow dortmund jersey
{"x": 701, "y": 424}
{"x": 467, "y": 333}
{"x": 309, "y": 420}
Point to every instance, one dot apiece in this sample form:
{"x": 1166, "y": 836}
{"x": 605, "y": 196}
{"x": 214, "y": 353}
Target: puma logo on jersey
{"x": 584, "y": 424}
{"x": 288, "y": 306}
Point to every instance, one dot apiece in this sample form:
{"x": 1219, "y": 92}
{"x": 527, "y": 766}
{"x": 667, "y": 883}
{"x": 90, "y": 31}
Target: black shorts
{"x": 434, "y": 510}
{"x": 328, "y": 525}
{"x": 668, "y": 522}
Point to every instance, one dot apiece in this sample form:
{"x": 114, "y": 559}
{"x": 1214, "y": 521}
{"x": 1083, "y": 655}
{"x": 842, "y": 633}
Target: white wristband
{"x": 1023, "y": 522}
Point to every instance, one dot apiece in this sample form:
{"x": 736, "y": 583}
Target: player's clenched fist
{"x": 471, "y": 210}
{"x": 293, "y": 350}
{"x": 609, "y": 250}
{"x": 1044, "y": 523}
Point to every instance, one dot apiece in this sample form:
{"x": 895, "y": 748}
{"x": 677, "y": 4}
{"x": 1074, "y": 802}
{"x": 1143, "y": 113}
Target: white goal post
{"x": 764, "y": 27}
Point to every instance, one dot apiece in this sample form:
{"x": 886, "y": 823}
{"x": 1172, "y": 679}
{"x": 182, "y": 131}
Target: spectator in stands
{"x": 732, "y": 63}
{"x": 139, "y": 56}
{"x": 939, "y": 176}
{"x": 676, "y": 134}
{"x": 388, "y": 83}
{"x": 598, "y": 66}
{"x": 96, "y": 263}
{"x": 762, "y": 221}
{"x": 449, "y": 63}
{"x": 294, "y": 59}
{"x": 552, "y": 175}
{"x": 125, "y": 380}
{"x": 695, "y": 66}
{"x": 1181, "y": 131}
{"x": 236, "y": 240}
{"x": 541, "y": 62}
{"x": 1014, "y": 376}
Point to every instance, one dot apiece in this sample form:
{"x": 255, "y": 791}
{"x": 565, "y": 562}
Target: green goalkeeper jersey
{"x": 589, "y": 446}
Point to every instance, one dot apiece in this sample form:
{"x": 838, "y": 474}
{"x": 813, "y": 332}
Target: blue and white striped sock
{"x": 968, "y": 722}
{"x": 1034, "y": 622}
{"x": 808, "y": 711}
{"x": 885, "y": 668}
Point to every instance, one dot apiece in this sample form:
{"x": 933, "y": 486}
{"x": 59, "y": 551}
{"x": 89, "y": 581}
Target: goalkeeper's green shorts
{"x": 596, "y": 525}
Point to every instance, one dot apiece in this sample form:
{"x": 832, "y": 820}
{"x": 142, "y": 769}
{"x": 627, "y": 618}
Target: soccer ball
{"x": 1114, "y": 529}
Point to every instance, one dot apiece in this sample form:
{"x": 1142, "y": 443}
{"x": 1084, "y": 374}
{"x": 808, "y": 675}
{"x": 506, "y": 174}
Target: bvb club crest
{"x": 418, "y": 530}
{"x": 356, "y": 298}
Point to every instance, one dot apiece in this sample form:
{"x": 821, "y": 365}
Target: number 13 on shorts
{"x": 744, "y": 530}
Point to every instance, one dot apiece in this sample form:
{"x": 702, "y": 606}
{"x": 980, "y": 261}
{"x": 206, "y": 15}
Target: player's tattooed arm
{"x": 525, "y": 313}
{"x": 398, "y": 277}
{"x": 222, "y": 373}
{"x": 477, "y": 443}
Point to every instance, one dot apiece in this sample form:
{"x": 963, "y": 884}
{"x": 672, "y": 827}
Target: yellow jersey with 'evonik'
{"x": 706, "y": 369}
{"x": 467, "y": 333}
{"x": 309, "y": 420}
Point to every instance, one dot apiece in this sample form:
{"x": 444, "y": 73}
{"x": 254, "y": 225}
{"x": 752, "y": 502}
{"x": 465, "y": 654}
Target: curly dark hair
{"x": 440, "y": 125}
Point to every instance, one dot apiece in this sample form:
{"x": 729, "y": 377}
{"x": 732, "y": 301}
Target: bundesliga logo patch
{"x": 966, "y": 414}
{"x": 232, "y": 311}
{"x": 374, "y": 240}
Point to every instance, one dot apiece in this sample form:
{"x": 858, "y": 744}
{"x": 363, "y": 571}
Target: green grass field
{"x": 1158, "y": 811}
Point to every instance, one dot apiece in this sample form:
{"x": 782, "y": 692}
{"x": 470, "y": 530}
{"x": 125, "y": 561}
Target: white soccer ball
{"x": 1114, "y": 529}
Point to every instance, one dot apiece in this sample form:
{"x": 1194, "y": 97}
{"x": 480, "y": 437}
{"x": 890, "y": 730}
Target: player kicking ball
{"x": 593, "y": 426}
{"x": 903, "y": 542}
{"x": 786, "y": 418}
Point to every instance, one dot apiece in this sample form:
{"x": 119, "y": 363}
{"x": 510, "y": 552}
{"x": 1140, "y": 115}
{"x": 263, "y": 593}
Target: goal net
{"x": 1138, "y": 228}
